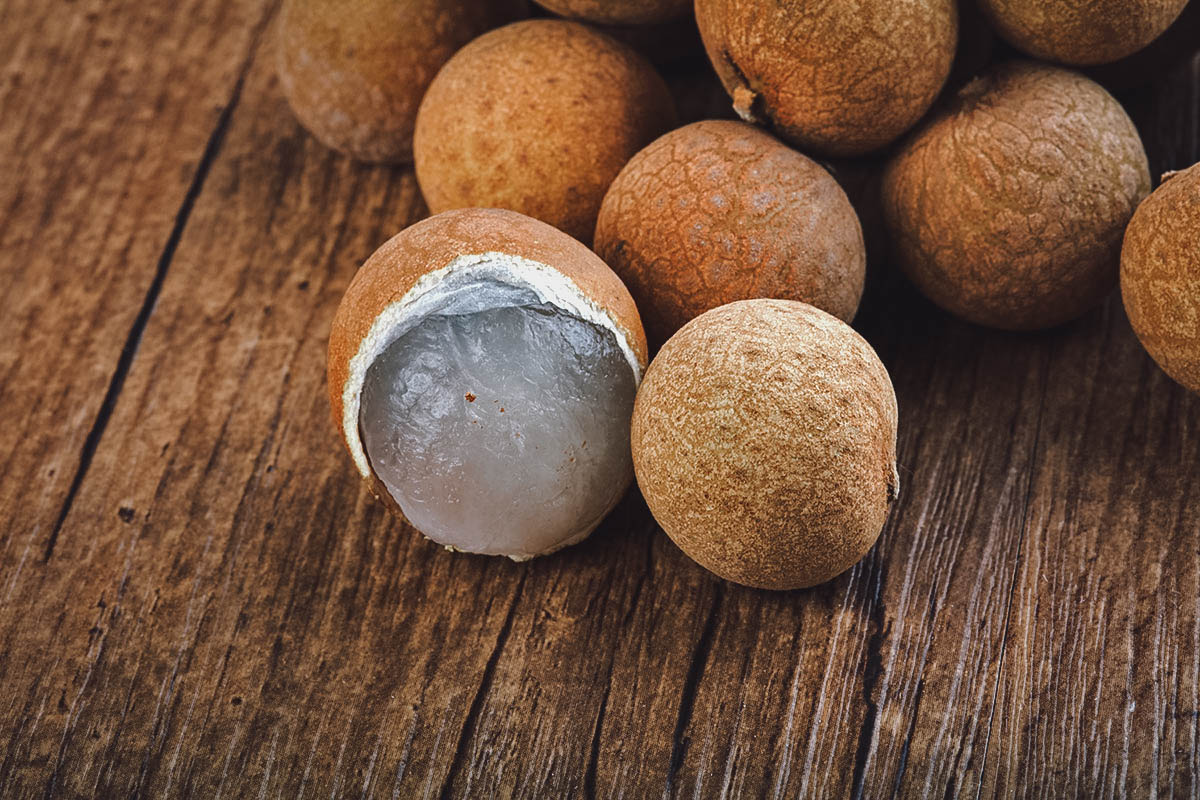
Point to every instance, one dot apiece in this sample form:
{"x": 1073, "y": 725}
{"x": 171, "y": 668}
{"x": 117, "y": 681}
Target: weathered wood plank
{"x": 231, "y": 610}
{"x": 109, "y": 110}
{"x": 1100, "y": 691}
{"x": 1098, "y": 677}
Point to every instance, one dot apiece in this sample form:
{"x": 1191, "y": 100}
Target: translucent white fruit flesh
{"x": 504, "y": 430}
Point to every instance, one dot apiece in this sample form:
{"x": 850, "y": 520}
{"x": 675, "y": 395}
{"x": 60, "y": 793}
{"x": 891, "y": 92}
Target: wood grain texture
{"x": 112, "y": 113}
{"x": 222, "y": 610}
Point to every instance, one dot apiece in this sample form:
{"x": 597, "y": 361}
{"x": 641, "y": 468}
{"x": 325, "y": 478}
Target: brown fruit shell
{"x": 839, "y": 79}
{"x": 1177, "y": 43}
{"x": 537, "y": 117}
{"x": 355, "y": 73}
{"x": 764, "y": 442}
{"x": 1008, "y": 206}
{"x": 719, "y": 211}
{"x": 1160, "y": 276}
{"x": 619, "y": 12}
{"x": 434, "y": 244}
{"x": 1094, "y": 32}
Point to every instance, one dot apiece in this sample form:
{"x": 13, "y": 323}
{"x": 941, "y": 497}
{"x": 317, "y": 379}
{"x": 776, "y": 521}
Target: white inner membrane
{"x": 496, "y": 418}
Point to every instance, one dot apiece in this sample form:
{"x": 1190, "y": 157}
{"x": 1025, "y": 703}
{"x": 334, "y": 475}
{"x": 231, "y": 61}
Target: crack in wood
{"x": 1016, "y": 571}
{"x": 589, "y": 772}
{"x": 691, "y": 685}
{"x": 134, "y": 339}
{"x": 872, "y": 671}
{"x": 485, "y": 684}
{"x": 902, "y": 765}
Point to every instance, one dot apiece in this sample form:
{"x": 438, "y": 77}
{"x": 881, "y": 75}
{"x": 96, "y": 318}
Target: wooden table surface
{"x": 198, "y": 598}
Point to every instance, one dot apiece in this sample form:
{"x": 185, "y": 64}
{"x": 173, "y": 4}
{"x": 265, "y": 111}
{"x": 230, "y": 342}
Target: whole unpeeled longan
{"x": 834, "y": 78}
{"x": 719, "y": 211}
{"x": 1081, "y": 31}
{"x": 764, "y": 442}
{"x": 1160, "y": 276}
{"x": 1175, "y": 44}
{"x": 537, "y": 117}
{"x": 354, "y": 73}
{"x": 1008, "y": 206}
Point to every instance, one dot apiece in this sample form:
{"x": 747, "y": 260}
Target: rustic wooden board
{"x": 197, "y": 598}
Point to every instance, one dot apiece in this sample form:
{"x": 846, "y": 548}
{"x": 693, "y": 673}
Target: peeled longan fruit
{"x": 537, "y": 117}
{"x": 1079, "y": 32}
{"x": 764, "y": 442}
{"x": 482, "y": 371}
{"x": 354, "y": 73}
{"x": 1160, "y": 276}
{"x": 719, "y": 211}
{"x": 619, "y": 12}
{"x": 836, "y": 78}
{"x": 1008, "y": 206}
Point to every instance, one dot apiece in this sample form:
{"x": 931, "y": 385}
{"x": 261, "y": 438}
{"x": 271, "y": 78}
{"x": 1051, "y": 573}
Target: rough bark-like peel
{"x": 1160, "y": 276}
{"x": 1081, "y": 31}
{"x": 537, "y": 117}
{"x": 1177, "y": 43}
{"x": 764, "y": 442}
{"x": 354, "y": 73}
{"x": 719, "y": 211}
{"x": 1008, "y": 206}
{"x": 838, "y": 78}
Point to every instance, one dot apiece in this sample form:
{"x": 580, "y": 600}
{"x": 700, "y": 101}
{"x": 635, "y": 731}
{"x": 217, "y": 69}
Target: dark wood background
{"x": 198, "y": 598}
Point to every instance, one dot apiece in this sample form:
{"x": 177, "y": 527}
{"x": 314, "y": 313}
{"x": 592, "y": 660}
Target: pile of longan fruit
{"x": 1013, "y": 191}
